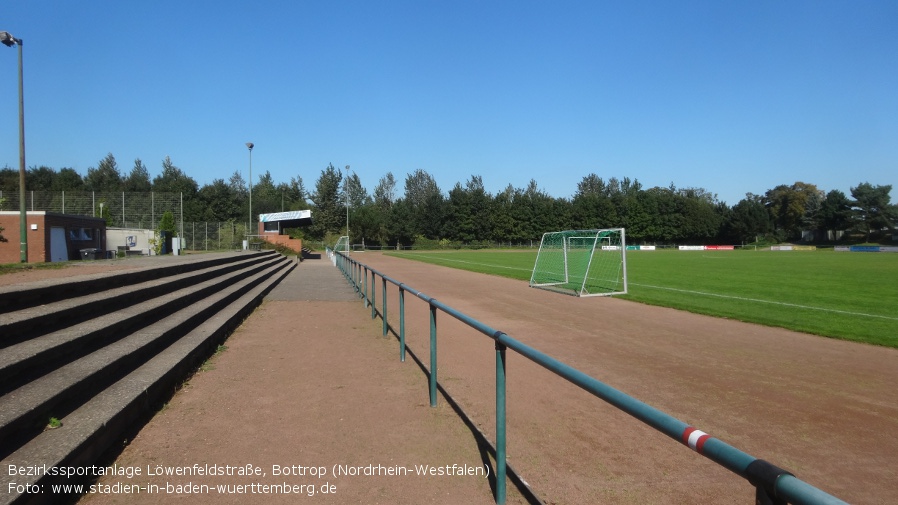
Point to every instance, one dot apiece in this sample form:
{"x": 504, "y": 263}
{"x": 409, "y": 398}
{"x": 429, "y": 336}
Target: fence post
{"x": 401, "y": 323}
{"x": 383, "y": 315}
{"x": 501, "y": 468}
{"x": 365, "y": 287}
{"x": 433, "y": 354}
{"x": 373, "y": 295}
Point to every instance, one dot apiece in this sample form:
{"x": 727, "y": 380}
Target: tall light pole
{"x": 8, "y": 40}
{"x": 346, "y": 191}
{"x": 250, "y": 145}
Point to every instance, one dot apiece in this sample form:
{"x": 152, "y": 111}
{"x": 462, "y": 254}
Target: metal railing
{"x": 772, "y": 484}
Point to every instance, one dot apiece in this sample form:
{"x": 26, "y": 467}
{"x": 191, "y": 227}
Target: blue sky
{"x": 731, "y": 96}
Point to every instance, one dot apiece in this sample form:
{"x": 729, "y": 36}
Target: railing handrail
{"x": 777, "y": 483}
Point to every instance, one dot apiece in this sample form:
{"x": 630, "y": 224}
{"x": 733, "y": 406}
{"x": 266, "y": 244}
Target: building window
{"x": 80, "y": 234}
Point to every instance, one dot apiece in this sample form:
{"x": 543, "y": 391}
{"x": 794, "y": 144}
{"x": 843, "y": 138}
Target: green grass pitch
{"x": 852, "y": 296}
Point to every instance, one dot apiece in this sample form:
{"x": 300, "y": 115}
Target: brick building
{"x": 51, "y": 236}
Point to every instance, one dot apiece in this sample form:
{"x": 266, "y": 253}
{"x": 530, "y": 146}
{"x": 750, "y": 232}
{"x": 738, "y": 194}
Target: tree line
{"x": 468, "y": 214}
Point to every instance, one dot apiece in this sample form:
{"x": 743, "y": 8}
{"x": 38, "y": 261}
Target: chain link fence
{"x": 133, "y": 210}
{"x": 213, "y": 236}
{"x": 121, "y": 209}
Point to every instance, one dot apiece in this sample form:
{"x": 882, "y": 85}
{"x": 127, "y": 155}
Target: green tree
{"x": 167, "y": 222}
{"x": 425, "y": 200}
{"x": 267, "y": 198}
{"x": 358, "y": 195}
{"x": 468, "y": 218}
{"x": 297, "y": 194}
{"x": 835, "y": 212}
{"x": 540, "y": 212}
{"x": 219, "y": 202}
{"x": 506, "y": 227}
{"x": 138, "y": 181}
{"x": 624, "y": 194}
{"x": 872, "y": 208}
{"x": 40, "y": 178}
{"x": 700, "y": 217}
{"x": 174, "y": 180}
{"x": 789, "y": 207}
{"x": 67, "y": 179}
{"x": 239, "y": 189}
{"x": 400, "y": 227}
{"x": 9, "y": 179}
{"x": 166, "y": 226}
{"x": 328, "y": 213}
{"x": 592, "y": 207}
{"x": 366, "y": 225}
{"x": 106, "y": 177}
{"x": 382, "y": 202}
{"x": 666, "y": 223}
{"x": 385, "y": 192}
{"x": 749, "y": 219}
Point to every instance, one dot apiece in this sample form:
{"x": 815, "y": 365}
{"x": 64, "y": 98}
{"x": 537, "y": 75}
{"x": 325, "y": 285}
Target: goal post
{"x": 582, "y": 262}
{"x": 342, "y": 244}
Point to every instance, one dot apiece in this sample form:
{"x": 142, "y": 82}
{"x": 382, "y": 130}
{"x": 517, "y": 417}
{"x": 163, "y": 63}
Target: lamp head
{"x": 250, "y": 145}
{"x": 8, "y": 40}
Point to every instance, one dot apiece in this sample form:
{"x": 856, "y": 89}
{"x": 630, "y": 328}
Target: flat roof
{"x": 296, "y": 217}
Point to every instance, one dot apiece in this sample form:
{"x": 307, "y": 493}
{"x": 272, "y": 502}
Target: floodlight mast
{"x": 346, "y": 194}
{"x": 8, "y": 40}
{"x": 250, "y": 145}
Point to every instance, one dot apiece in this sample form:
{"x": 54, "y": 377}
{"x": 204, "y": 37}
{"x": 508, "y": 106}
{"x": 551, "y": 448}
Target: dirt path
{"x": 307, "y": 381}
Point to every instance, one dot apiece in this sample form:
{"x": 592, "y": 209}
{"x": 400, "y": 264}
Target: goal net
{"x": 582, "y": 262}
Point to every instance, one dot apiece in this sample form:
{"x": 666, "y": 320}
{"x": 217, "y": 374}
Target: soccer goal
{"x": 342, "y": 244}
{"x": 582, "y": 262}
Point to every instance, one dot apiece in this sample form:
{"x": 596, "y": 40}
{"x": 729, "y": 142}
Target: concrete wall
{"x": 292, "y": 243}
{"x": 136, "y": 239}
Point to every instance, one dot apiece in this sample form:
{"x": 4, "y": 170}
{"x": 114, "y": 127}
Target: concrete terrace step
{"x": 32, "y": 357}
{"x": 28, "y": 407}
{"x": 28, "y": 322}
{"x": 109, "y": 371}
{"x": 42, "y": 292}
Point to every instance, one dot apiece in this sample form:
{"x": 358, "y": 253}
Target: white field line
{"x": 731, "y": 297}
{"x": 757, "y": 300}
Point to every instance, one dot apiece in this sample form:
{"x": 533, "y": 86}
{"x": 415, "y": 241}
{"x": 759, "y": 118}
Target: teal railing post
{"x": 433, "y": 355}
{"x": 383, "y": 297}
{"x": 365, "y": 282}
{"x": 401, "y": 323}
{"x": 501, "y": 468}
{"x": 373, "y": 295}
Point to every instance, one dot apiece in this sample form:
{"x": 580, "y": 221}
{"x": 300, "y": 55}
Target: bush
{"x": 286, "y": 251}
{"x": 422, "y": 243}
